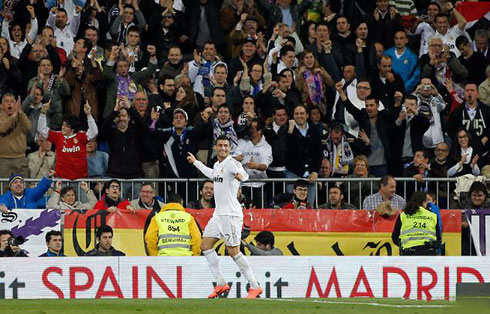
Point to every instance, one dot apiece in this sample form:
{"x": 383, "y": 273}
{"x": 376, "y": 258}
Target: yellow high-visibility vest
{"x": 174, "y": 238}
{"x": 418, "y": 228}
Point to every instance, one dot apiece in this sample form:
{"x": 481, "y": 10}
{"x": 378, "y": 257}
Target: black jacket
{"x": 384, "y": 124}
{"x": 278, "y": 143}
{"x": 303, "y": 152}
{"x": 97, "y": 252}
{"x": 418, "y": 126}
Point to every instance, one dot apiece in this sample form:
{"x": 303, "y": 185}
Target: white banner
{"x": 281, "y": 277}
{"x": 32, "y": 225}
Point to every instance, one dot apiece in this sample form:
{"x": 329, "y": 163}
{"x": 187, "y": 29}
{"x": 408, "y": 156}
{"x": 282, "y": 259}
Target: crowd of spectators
{"x": 125, "y": 89}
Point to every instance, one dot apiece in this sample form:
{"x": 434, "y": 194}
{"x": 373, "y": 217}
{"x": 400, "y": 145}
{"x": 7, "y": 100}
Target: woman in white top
{"x": 463, "y": 155}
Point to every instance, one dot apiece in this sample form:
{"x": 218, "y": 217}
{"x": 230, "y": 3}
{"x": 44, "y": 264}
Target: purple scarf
{"x": 126, "y": 87}
{"x": 314, "y": 86}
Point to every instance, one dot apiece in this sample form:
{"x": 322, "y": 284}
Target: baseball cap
{"x": 182, "y": 111}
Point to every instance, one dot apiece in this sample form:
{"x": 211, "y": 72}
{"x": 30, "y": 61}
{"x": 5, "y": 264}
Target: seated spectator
{"x": 439, "y": 166}
{"x": 359, "y": 190}
{"x": 173, "y": 232}
{"x": 66, "y": 198}
{"x": 6, "y": 247}
{"x": 41, "y": 161}
{"x": 463, "y": 155}
{"x": 478, "y": 197}
{"x": 385, "y": 194}
{"x": 147, "y": 199}
{"x": 336, "y": 199}
{"x": 300, "y": 196}
{"x": 104, "y": 247}
{"x": 71, "y": 158}
{"x": 264, "y": 245}
{"x": 206, "y": 199}
{"x": 111, "y": 200}
{"x": 97, "y": 161}
{"x": 14, "y": 127}
{"x": 54, "y": 242}
{"x": 18, "y": 196}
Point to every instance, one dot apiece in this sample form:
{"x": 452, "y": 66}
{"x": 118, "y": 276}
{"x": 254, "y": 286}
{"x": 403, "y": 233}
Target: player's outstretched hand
{"x": 191, "y": 158}
{"x": 238, "y": 176}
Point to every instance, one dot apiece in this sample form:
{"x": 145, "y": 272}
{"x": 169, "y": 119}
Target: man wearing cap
{"x": 18, "y": 196}
{"x": 178, "y": 141}
{"x": 248, "y": 54}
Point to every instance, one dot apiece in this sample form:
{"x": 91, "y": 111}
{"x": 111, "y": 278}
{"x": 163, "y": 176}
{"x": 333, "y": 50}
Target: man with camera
{"x": 10, "y": 245}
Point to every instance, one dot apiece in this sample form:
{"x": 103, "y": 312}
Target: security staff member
{"x": 417, "y": 230}
{"x": 173, "y": 231}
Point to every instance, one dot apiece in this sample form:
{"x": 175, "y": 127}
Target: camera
{"x": 427, "y": 87}
{"x": 16, "y": 241}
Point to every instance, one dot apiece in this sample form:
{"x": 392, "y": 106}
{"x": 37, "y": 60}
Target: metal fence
{"x": 355, "y": 189}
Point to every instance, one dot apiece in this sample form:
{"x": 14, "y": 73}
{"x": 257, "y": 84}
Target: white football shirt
{"x": 225, "y": 185}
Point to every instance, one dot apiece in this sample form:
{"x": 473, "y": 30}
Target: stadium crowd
{"x": 315, "y": 89}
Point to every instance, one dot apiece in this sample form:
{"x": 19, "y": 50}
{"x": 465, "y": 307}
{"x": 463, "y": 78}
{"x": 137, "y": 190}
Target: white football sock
{"x": 245, "y": 269}
{"x": 213, "y": 263}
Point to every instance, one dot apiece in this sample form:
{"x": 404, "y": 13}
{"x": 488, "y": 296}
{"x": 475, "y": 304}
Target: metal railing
{"x": 354, "y": 188}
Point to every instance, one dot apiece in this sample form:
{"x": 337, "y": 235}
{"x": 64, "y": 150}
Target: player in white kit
{"x": 227, "y": 219}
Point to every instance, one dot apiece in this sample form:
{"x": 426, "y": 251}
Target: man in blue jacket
{"x": 19, "y": 196}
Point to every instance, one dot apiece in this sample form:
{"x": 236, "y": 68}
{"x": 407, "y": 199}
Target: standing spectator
{"x": 276, "y": 135}
{"x": 15, "y": 35}
{"x": 264, "y": 245}
{"x": 125, "y": 20}
{"x": 111, "y": 200}
{"x": 386, "y": 194}
{"x": 338, "y": 150}
{"x": 124, "y": 129}
{"x": 173, "y": 232}
{"x": 386, "y": 84}
{"x": 55, "y": 89}
{"x": 255, "y": 154}
{"x": 358, "y": 191}
{"x": 439, "y": 166}
{"x": 383, "y": 22}
{"x": 66, "y": 197}
{"x": 31, "y": 106}
{"x": 425, "y": 27}
{"x": 40, "y": 162}
{"x": 464, "y": 155}
{"x": 122, "y": 84}
{"x": 431, "y": 104}
{"x": 10, "y": 75}
{"x": 54, "y": 242}
{"x": 325, "y": 172}
{"x": 18, "y": 196}
{"x": 83, "y": 85}
{"x": 70, "y": 143}
{"x": 474, "y": 62}
{"x": 336, "y": 199}
{"x": 104, "y": 247}
{"x": 419, "y": 170}
{"x": 375, "y": 126}
{"x": 404, "y": 61}
{"x": 203, "y": 65}
{"x": 14, "y": 127}
{"x": 303, "y": 151}
{"x": 206, "y": 199}
{"x": 147, "y": 199}
{"x": 175, "y": 65}
{"x": 449, "y": 34}
{"x": 64, "y": 32}
{"x": 300, "y": 196}
{"x": 475, "y": 118}
{"x": 205, "y": 22}
{"x": 480, "y": 44}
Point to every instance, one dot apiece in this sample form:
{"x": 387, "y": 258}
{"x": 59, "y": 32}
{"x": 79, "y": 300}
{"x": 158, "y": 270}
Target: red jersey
{"x": 71, "y": 154}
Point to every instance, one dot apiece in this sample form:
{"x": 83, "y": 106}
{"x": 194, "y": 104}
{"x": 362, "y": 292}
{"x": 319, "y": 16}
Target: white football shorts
{"x": 228, "y": 228}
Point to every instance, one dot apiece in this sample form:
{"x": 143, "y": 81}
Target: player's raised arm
{"x": 240, "y": 173}
{"x": 208, "y": 172}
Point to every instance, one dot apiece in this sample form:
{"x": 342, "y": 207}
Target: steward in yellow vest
{"x": 173, "y": 232}
{"x": 416, "y": 229}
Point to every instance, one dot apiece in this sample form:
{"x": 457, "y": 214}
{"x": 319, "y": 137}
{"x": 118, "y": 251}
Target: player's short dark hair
{"x": 222, "y": 138}
{"x": 265, "y": 237}
{"x": 53, "y": 233}
{"x": 300, "y": 183}
{"x": 104, "y": 229}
